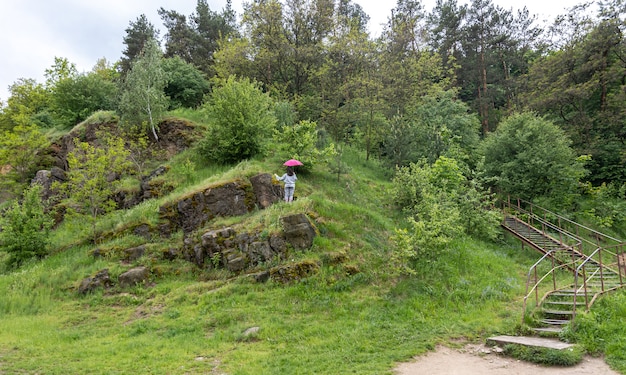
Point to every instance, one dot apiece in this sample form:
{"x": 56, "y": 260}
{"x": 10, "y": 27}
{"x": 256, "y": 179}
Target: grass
{"x": 189, "y": 321}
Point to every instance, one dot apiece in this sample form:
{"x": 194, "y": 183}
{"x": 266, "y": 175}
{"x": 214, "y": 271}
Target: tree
{"x": 92, "y": 178}
{"x": 445, "y": 127}
{"x": 196, "y": 38}
{"x": 580, "y": 86}
{"x": 21, "y": 151}
{"x": 138, "y": 34}
{"x": 27, "y": 102}
{"x": 76, "y": 97}
{"x": 186, "y": 86}
{"x": 530, "y": 157}
{"x": 241, "y": 120}
{"x": 143, "y": 101}
{"x": 25, "y": 228}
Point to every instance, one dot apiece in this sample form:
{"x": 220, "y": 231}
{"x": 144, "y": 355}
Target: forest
{"x": 426, "y": 84}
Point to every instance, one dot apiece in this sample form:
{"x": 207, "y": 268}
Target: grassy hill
{"x": 355, "y": 316}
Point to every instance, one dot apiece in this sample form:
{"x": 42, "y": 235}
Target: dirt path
{"x": 479, "y": 360}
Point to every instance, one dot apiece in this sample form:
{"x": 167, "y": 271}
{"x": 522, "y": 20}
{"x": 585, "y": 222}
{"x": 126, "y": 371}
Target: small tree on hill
{"x": 25, "y": 228}
{"x": 93, "y": 178}
{"x": 143, "y": 101}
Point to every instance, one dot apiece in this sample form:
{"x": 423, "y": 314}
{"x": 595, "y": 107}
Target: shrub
{"x": 25, "y": 228}
{"x": 241, "y": 120}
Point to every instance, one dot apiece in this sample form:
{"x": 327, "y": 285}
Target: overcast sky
{"x": 33, "y": 32}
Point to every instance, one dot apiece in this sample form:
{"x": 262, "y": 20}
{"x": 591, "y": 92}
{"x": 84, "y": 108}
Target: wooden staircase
{"x": 578, "y": 264}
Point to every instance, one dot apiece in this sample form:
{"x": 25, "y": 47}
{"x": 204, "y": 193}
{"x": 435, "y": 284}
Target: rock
{"x": 133, "y": 276}
{"x": 100, "y": 280}
{"x": 134, "y": 253}
{"x": 278, "y": 244}
{"x": 293, "y": 272}
{"x": 265, "y": 191}
{"x": 170, "y": 254}
{"x": 260, "y": 251}
{"x": 46, "y": 179}
{"x": 299, "y": 231}
{"x": 252, "y": 331}
{"x": 261, "y": 277}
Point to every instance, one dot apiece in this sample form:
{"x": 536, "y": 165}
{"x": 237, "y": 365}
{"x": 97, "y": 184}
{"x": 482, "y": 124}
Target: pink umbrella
{"x": 292, "y": 163}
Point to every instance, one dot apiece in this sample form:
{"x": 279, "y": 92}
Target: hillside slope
{"x": 353, "y": 316}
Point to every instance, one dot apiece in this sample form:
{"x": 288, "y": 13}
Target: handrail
{"x": 572, "y": 222}
{"x": 575, "y": 244}
{"x": 552, "y": 226}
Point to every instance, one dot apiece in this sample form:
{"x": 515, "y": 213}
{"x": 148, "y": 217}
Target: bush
{"x": 529, "y": 157}
{"x": 25, "y": 228}
{"x": 241, "y": 119}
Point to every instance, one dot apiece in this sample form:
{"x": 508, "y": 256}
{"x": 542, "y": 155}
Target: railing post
{"x": 601, "y": 270}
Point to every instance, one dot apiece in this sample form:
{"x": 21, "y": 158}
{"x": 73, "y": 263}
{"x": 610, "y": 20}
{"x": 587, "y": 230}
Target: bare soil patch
{"x": 482, "y": 360}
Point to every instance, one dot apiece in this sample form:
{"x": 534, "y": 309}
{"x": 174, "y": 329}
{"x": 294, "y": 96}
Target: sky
{"x": 34, "y": 32}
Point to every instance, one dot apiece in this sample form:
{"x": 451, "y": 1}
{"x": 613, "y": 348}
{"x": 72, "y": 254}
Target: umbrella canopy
{"x": 292, "y": 163}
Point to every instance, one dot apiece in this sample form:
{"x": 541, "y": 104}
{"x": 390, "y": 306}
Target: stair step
{"x": 530, "y": 341}
{"x": 568, "y": 303}
{"x": 558, "y": 312}
{"x": 554, "y": 322}
{"x": 548, "y": 329}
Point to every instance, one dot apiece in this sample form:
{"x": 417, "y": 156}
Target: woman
{"x": 290, "y": 183}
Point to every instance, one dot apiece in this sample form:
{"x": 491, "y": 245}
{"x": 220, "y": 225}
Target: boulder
{"x": 299, "y": 231}
{"x": 265, "y": 191}
{"x": 100, "y": 280}
{"x": 134, "y": 276}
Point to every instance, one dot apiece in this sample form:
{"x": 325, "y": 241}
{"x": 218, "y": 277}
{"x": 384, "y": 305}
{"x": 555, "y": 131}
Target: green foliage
{"x": 93, "y": 178}
{"x": 138, "y": 35}
{"x": 444, "y": 126}
{"x": 545, "y": 356}
{"x": 25, "y": 228}
{"x": 21, "y": 152}
{"x": 76, "y": 97}
{"x": 441, "y": 204}
{"x": 529, "y": 157}
{"x": 241, "y": 119}
{"x": 28, "y": 99}
{"x": 186, "y": 86}
{"x": 143, "y": 101}
{"x": 299, "y": 142}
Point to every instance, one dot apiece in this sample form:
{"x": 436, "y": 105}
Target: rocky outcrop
{"x": 232, "y": 198}
{"x": 150, "y": 187}
{"x": 225, "y": 248}
{"x": 100, "y": 280}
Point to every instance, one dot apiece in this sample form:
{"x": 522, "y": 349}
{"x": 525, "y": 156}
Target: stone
{"x": 265, "y": 191}
{"x": 90, "y": 284}
{"x": 133, "y": 276}
{"x": 299, "y": 231}
{"x": 134, "y": 253}
{"x": 294, "y": 272}
{"x": 260, "y": 251}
